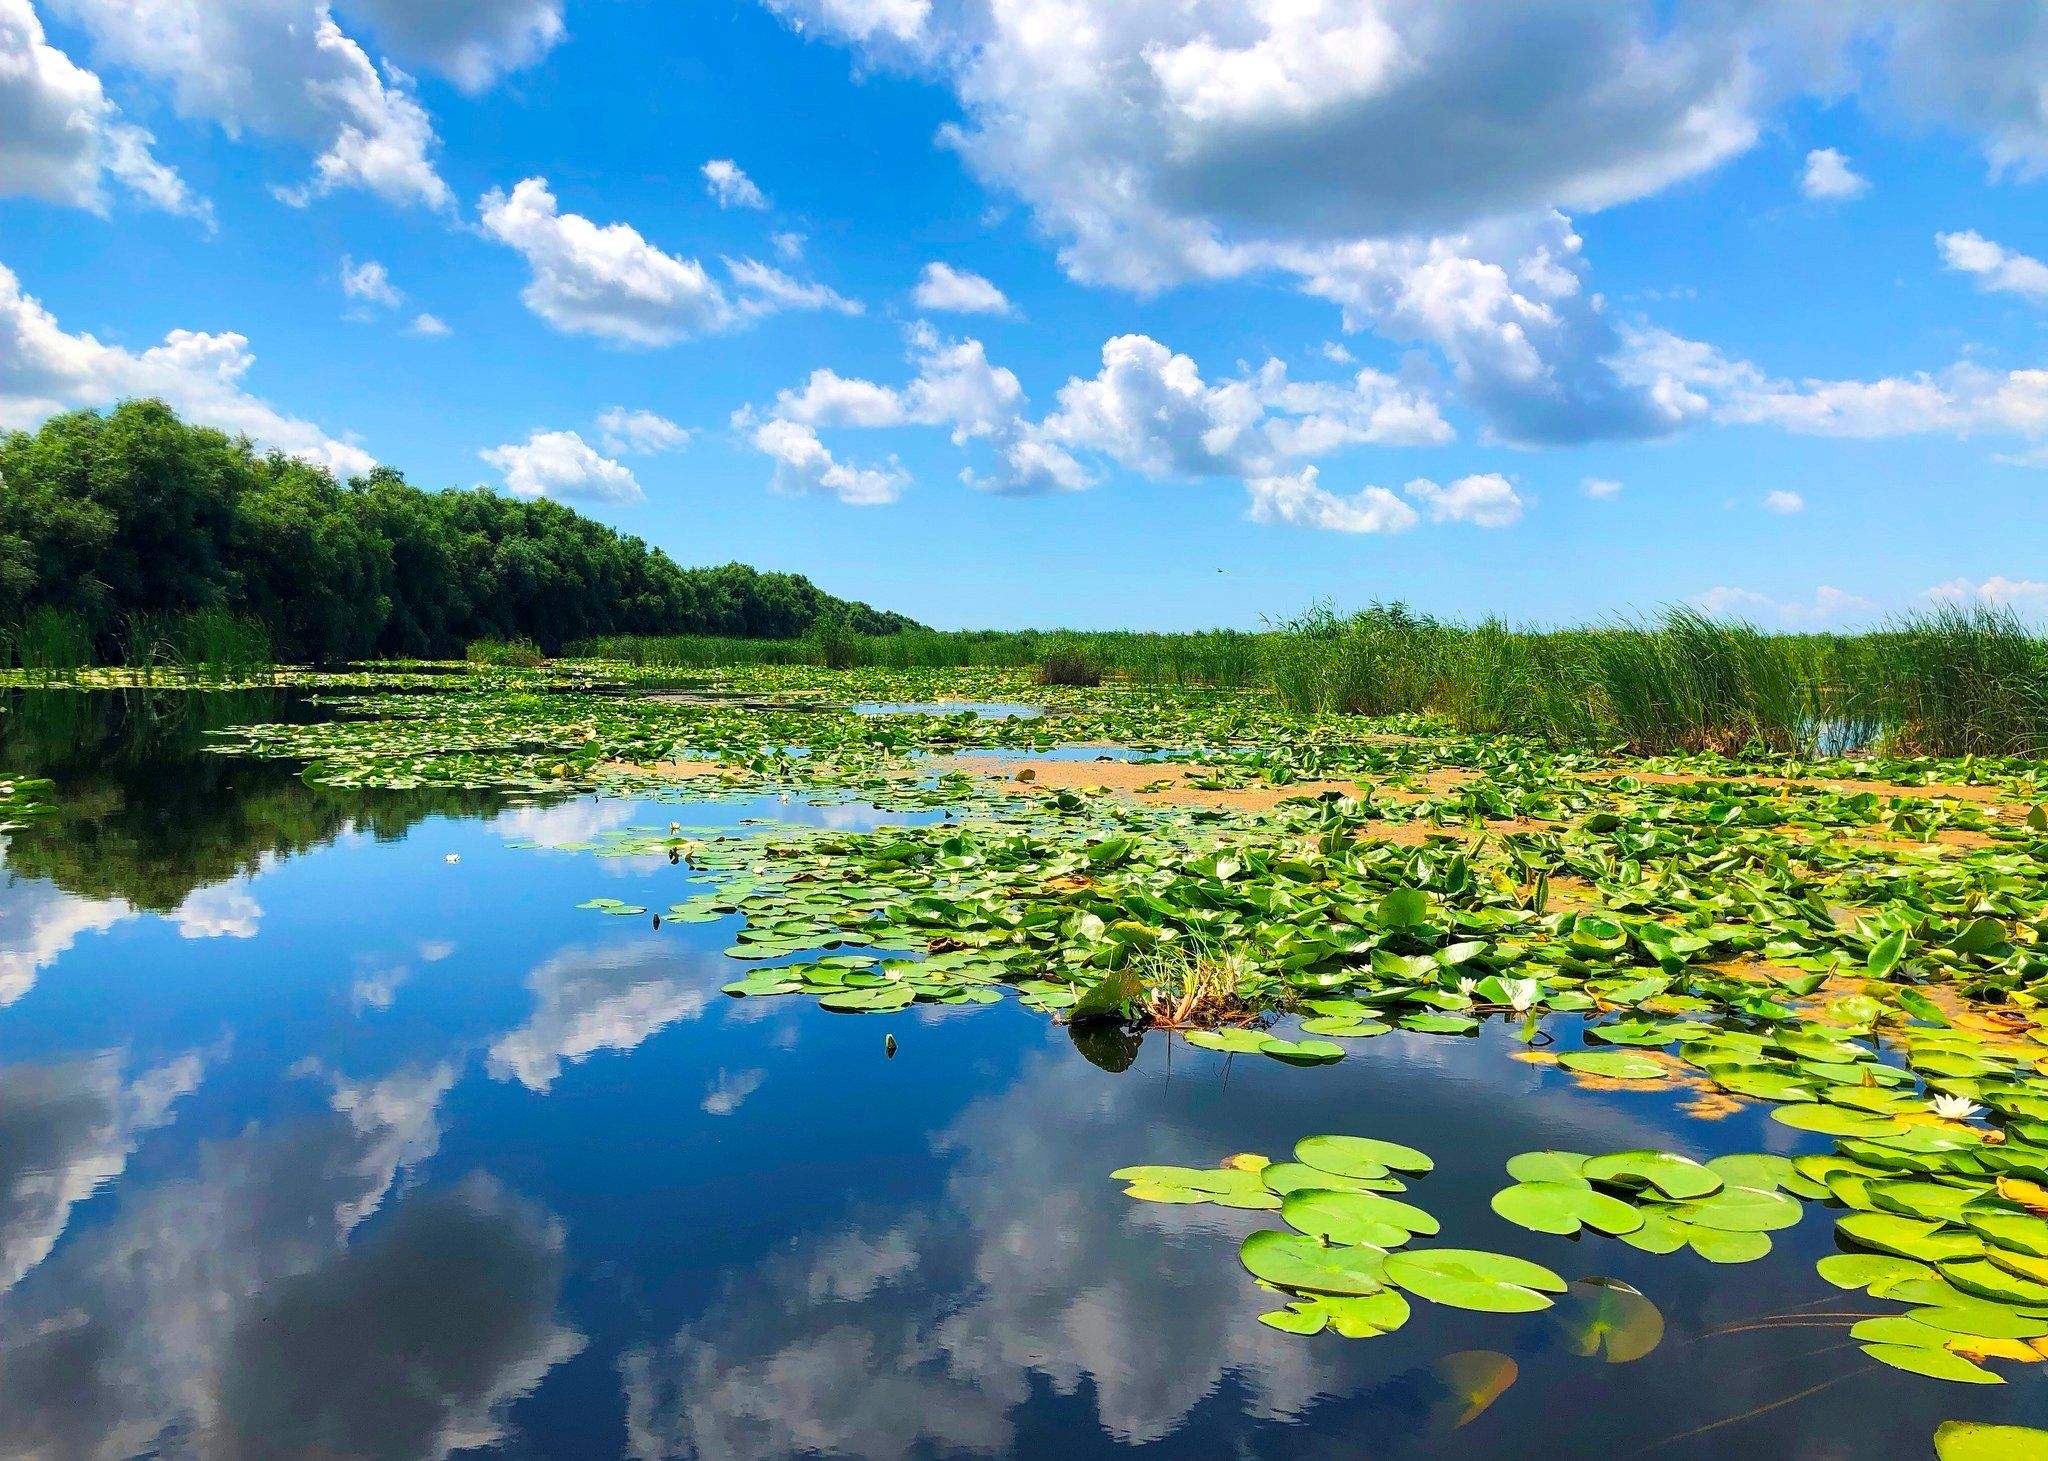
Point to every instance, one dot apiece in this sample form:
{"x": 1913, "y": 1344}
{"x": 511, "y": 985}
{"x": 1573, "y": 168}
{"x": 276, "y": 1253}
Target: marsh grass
{"x": 1188, "y": 985}
{"x": 1952, "y": 681}
{"x": 505, "y": 654}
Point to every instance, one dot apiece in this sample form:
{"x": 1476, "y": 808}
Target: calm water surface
{"x": 315, "y": 1143}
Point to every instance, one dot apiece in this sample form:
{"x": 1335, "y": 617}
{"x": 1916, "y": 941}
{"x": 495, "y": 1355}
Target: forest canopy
{"x": 135, "y": 513}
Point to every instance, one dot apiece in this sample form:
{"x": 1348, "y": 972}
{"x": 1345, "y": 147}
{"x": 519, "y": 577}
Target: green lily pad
{"x": 1466, "y": 1278}
{"x": 1936, "y": 1364}
{"x": 1675, "y": 1176}
{"x": 1291, "y": 1261}
{"x": 1616, "y": 1065}
{"x": 1360, "y": 1156}
{"x": 1563, "y": 1207}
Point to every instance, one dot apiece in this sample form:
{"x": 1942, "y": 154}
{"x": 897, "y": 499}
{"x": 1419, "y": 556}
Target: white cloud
{"x": 1600, "y": 487}
{"x": 1963, "y": 399}
{"x": 1147, "y": 409}
{"x": 1827, "y": 176}
{"x": 606, "y": 281}
{"x": 61, "y": 138}
{"x": 803, "y": 464}
{"x": 473, "y": 43}
{"x": 42, "y": 923}
{"x": 223, "y": 911}
{"x": 1296, "y": 500}
{"x": 1998, "y": 591}
{"x": 1828, "y": 606}
{"x": 943, "y": 289}
{"x": 591, "y": 1000}
{"x": 729, "y": 1090}
{"x": 369, "y": 283}
{"x": 1484, "y": 499}
{"x": 428, "y": 327}
{"x": 767, "y": 289}
{"x": 278, "y": 69}
{"x": 1336, "y": 353}
{"x": 44, "y": 370}
{"x": 1784, "y": 503}
{"x": 1413, "y": 162}
{"x": 789, "y": 247}
{"x": 640, "y": 433}
{"x": 561, "y": 464}
{"x": 1996, "y": 267}
{"x": 731, "y": 187}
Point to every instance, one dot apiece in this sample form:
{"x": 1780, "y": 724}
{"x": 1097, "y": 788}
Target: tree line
{"x": 117, "y": 517}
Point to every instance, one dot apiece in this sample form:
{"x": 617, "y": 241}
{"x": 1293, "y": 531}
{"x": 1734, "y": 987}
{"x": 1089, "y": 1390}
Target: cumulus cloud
{"x": 1297, "y": 501}
{"x": 602, "y": 280}
{"x": 1964, "y": 399}
{"x": 591, "y": 1000}
{"x": 1600, "y": 488}
{"x": 1996, "y": 268}
{"x": 225, "y": 910}
{"x": 1784, "y": 503}
{"x": 1484, "y": 499}
{"x": 1827, "y": 606}
{"x": 71, "y": 1128}
{"x": 42, "y": 922}
{"x": 1998, "y": 591}
{"x": 62, "y": 138}
{"x": 428, "y": 327}
{"x": 473, "y": 43}
{"x": 44, "y": 369}
{"x": 640, "y": 433}
{"x": 1414, "y": 162}
{"x": 609, "y": 281}
{"x": 1147, "y": 409}
{"x": 1827, "y": 176}
{"x": 730, "y": 187}
{"x": 280, "y": 69}
{"x": 561, "y": 464}
{"x": 803, "y": 464}
{"x": 942, "y": 289}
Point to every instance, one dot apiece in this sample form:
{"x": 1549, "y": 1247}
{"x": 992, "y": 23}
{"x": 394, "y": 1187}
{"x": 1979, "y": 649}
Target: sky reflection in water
{"x": 312, "y": 1141}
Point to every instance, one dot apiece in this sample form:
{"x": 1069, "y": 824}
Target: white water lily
{"x": 1523, "y": 994}
{"x": 1954, "y": 1108}
{"x": 1466, "y": 986}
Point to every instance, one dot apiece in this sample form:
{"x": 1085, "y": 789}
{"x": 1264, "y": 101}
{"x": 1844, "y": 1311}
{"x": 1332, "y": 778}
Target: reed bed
{"x": 1950, "y": 681}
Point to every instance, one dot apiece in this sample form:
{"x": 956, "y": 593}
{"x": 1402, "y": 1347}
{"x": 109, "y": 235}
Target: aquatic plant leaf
{"x": 1870, "y": 1271}
{"x": 1673, "y": 1175}
{"x": 1474, "y": 1380}
{"x": 1360, "y": 1156}
{"x": 1605, "y": 1317}
{"x": 1935, "y": 1364}
{"x": 1549, "y": 1166}
{"x": 1563, "y": 1207}
{"x": 1467, "y": 1278}
{"x": 1341, "y": 1217}
{"x": 1717, "y": 1246}
{"x": 1291, "y": 1261}
{"x": 1970, "y": 1440}
{"x": 1908, "y": 1237}
{"x": 1619, "y": 1065}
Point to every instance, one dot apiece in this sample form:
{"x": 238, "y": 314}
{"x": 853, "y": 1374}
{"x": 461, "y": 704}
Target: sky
{"x": 1146, "y": 314}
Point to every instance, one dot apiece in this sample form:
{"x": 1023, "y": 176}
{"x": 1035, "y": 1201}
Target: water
{"x": 979, "y": 709}
{"x": 314, "y": 1142}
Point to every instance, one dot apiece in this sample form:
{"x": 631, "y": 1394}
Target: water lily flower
{"x": 1466, "y": 986}
{"x": 1523, "y": 994}
{"x": 1954, "y": 1108}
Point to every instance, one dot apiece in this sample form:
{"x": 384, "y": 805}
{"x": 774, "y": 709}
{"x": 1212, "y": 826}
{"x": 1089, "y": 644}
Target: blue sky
{"x": 1139, "y": 313}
